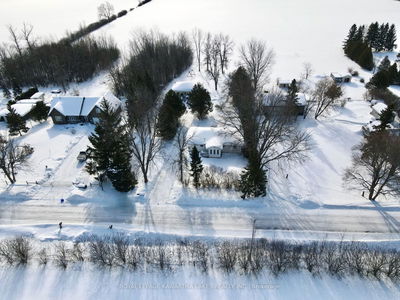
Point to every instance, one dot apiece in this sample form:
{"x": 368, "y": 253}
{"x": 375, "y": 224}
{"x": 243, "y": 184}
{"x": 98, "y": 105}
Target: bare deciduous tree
{"x": 15, "y": 39}
{"x": 324, "y": 96}
{"x": 307, "y": 70}
{"x": 144, "y": 142}
{"x": 258, "y": 61}
{"x": 207, "y": 45}
{"x": 376, "y": 165}
{"x": 214, "y": 70}
{"x": 181, "y": 144}
{"x": 105, "y": 10}
{"x": 27, "y": 30}
{"x": 13, "y": 157}
{"x": 225, "y": 45}
{"x": 197, "y": 36}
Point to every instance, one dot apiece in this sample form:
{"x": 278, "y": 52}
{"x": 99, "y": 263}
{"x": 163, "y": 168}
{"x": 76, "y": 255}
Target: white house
{"x": 341, "y": 78}
{"x": 213, "y": 141}
{"x": 23, "y": 107}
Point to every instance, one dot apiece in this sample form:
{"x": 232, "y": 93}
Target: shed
{"x": 341, "y": 78}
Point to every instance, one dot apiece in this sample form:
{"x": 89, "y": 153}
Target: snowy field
{"x": 92, "y": 283}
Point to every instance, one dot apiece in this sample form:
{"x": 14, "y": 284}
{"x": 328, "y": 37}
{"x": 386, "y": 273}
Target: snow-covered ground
{"x": 311, "y": 203}
{"x": 92, "y": 283}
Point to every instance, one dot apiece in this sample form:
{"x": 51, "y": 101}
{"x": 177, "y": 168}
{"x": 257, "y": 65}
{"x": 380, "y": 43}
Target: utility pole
{"x": 252, "y": 240}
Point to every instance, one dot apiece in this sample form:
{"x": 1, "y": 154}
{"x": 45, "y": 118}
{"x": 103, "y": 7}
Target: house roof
{"x": 4, "y": 112}
{"x": 37, "y": 95}
{"x": 23, "y": 108}
{"x": 210, "y": 136}
{"x": 379, "y": 107}
{"x": 183, "y": 86}
{"x": 81, "y": 106}
{"x": 339, "y": 75}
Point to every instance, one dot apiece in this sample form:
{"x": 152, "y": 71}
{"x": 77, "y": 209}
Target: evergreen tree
{"x": 167, "y": 124}
{"x": 366, "y": 59}
{"x": 200, "y": 101}
{"x": 120, "y": 173}
{"x": 170, "y": 112}
{"x": 16, "y": 124}
{"x": 393, "y": 74}
{"x": 253, "y": 180}
{"x": 386, "y": 117}
{"x": 110, "y": 154}
{"x": 292, "y": 91}
{"x": 350, "y": 36}
{"x": 380, "y": 80}
{"x": 390, "y": 41}
{"x": 40, "y": 111}
{"x": 359, "y": 36}
{"x": 373, "y": 35}
{"x": 385, "y": 64}
{"x": 383, "y": 32}
{"x": 196, "y": 166}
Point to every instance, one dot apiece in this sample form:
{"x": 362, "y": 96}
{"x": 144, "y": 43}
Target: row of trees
{"x": 380, "y": 37}
{"x": 357, "y": 48}
{"x": 26, "y": 62}
{"x": 246, "y": 257}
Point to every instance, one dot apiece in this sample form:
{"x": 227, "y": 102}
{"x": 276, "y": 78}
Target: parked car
{"x": 82, "y": 156}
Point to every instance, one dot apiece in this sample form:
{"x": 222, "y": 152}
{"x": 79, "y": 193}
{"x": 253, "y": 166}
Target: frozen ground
{"x": 51, "y": 283}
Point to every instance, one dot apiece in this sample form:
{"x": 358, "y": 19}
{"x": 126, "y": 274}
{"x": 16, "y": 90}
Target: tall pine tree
{"x": 110, "y": 155}
{"x": 200, "y": 101}
{"x": 170, "y": 112}
{"x": 16, "y": 123}
{"x": 391, "y": 38}
{"x": 196, "y": 167}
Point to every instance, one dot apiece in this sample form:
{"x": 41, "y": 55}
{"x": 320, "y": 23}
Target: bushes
{"x": 122, "y": 13}
{"x": 216, "y": 178}
{"x": 244, "y": 256}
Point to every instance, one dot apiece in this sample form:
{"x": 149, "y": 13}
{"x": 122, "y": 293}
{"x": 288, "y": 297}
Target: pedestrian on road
{"x": 60, "y": 225}
{"x": 110, "y": 227}
{"x": 62, "y": 200}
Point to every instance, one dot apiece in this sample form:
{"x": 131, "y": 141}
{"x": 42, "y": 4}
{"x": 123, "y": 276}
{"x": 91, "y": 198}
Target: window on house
{"x": 58, "y": 118}
{"x": 98, "y": 110}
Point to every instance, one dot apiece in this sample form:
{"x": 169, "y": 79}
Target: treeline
{"x": 361, "y": 41}
{"x": 85, "y": 30}
{"x": 249, "y": 257}
{"x": 155, "y": 60}
{"x": 55, "y": 63}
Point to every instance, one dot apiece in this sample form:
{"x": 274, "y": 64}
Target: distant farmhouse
{"x": 377, "y": 108}
{"x": 341, "y": 78}
{"x": 300, "y": 103}
{"x": 74, "y": 109}
{"x": 213, "y": 142}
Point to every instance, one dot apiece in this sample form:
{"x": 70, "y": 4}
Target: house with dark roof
{"x": 75, "y": 109}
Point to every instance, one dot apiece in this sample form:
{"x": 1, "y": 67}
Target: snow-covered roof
{"x": 81, "y": 106}
{"x": 37, "y": 95}
{"x": 339, "y": 75}
{"x": 4, "y": 112}
{"x": 28, "y": 101}
{"x": 23, "y": 108}
{"x": 379, "y": 107}
{"x": 210, "y": 136}
{"x": 301, "y": 99}
{"x": 183, "y": 86}
{"x": 285, "y": 81}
